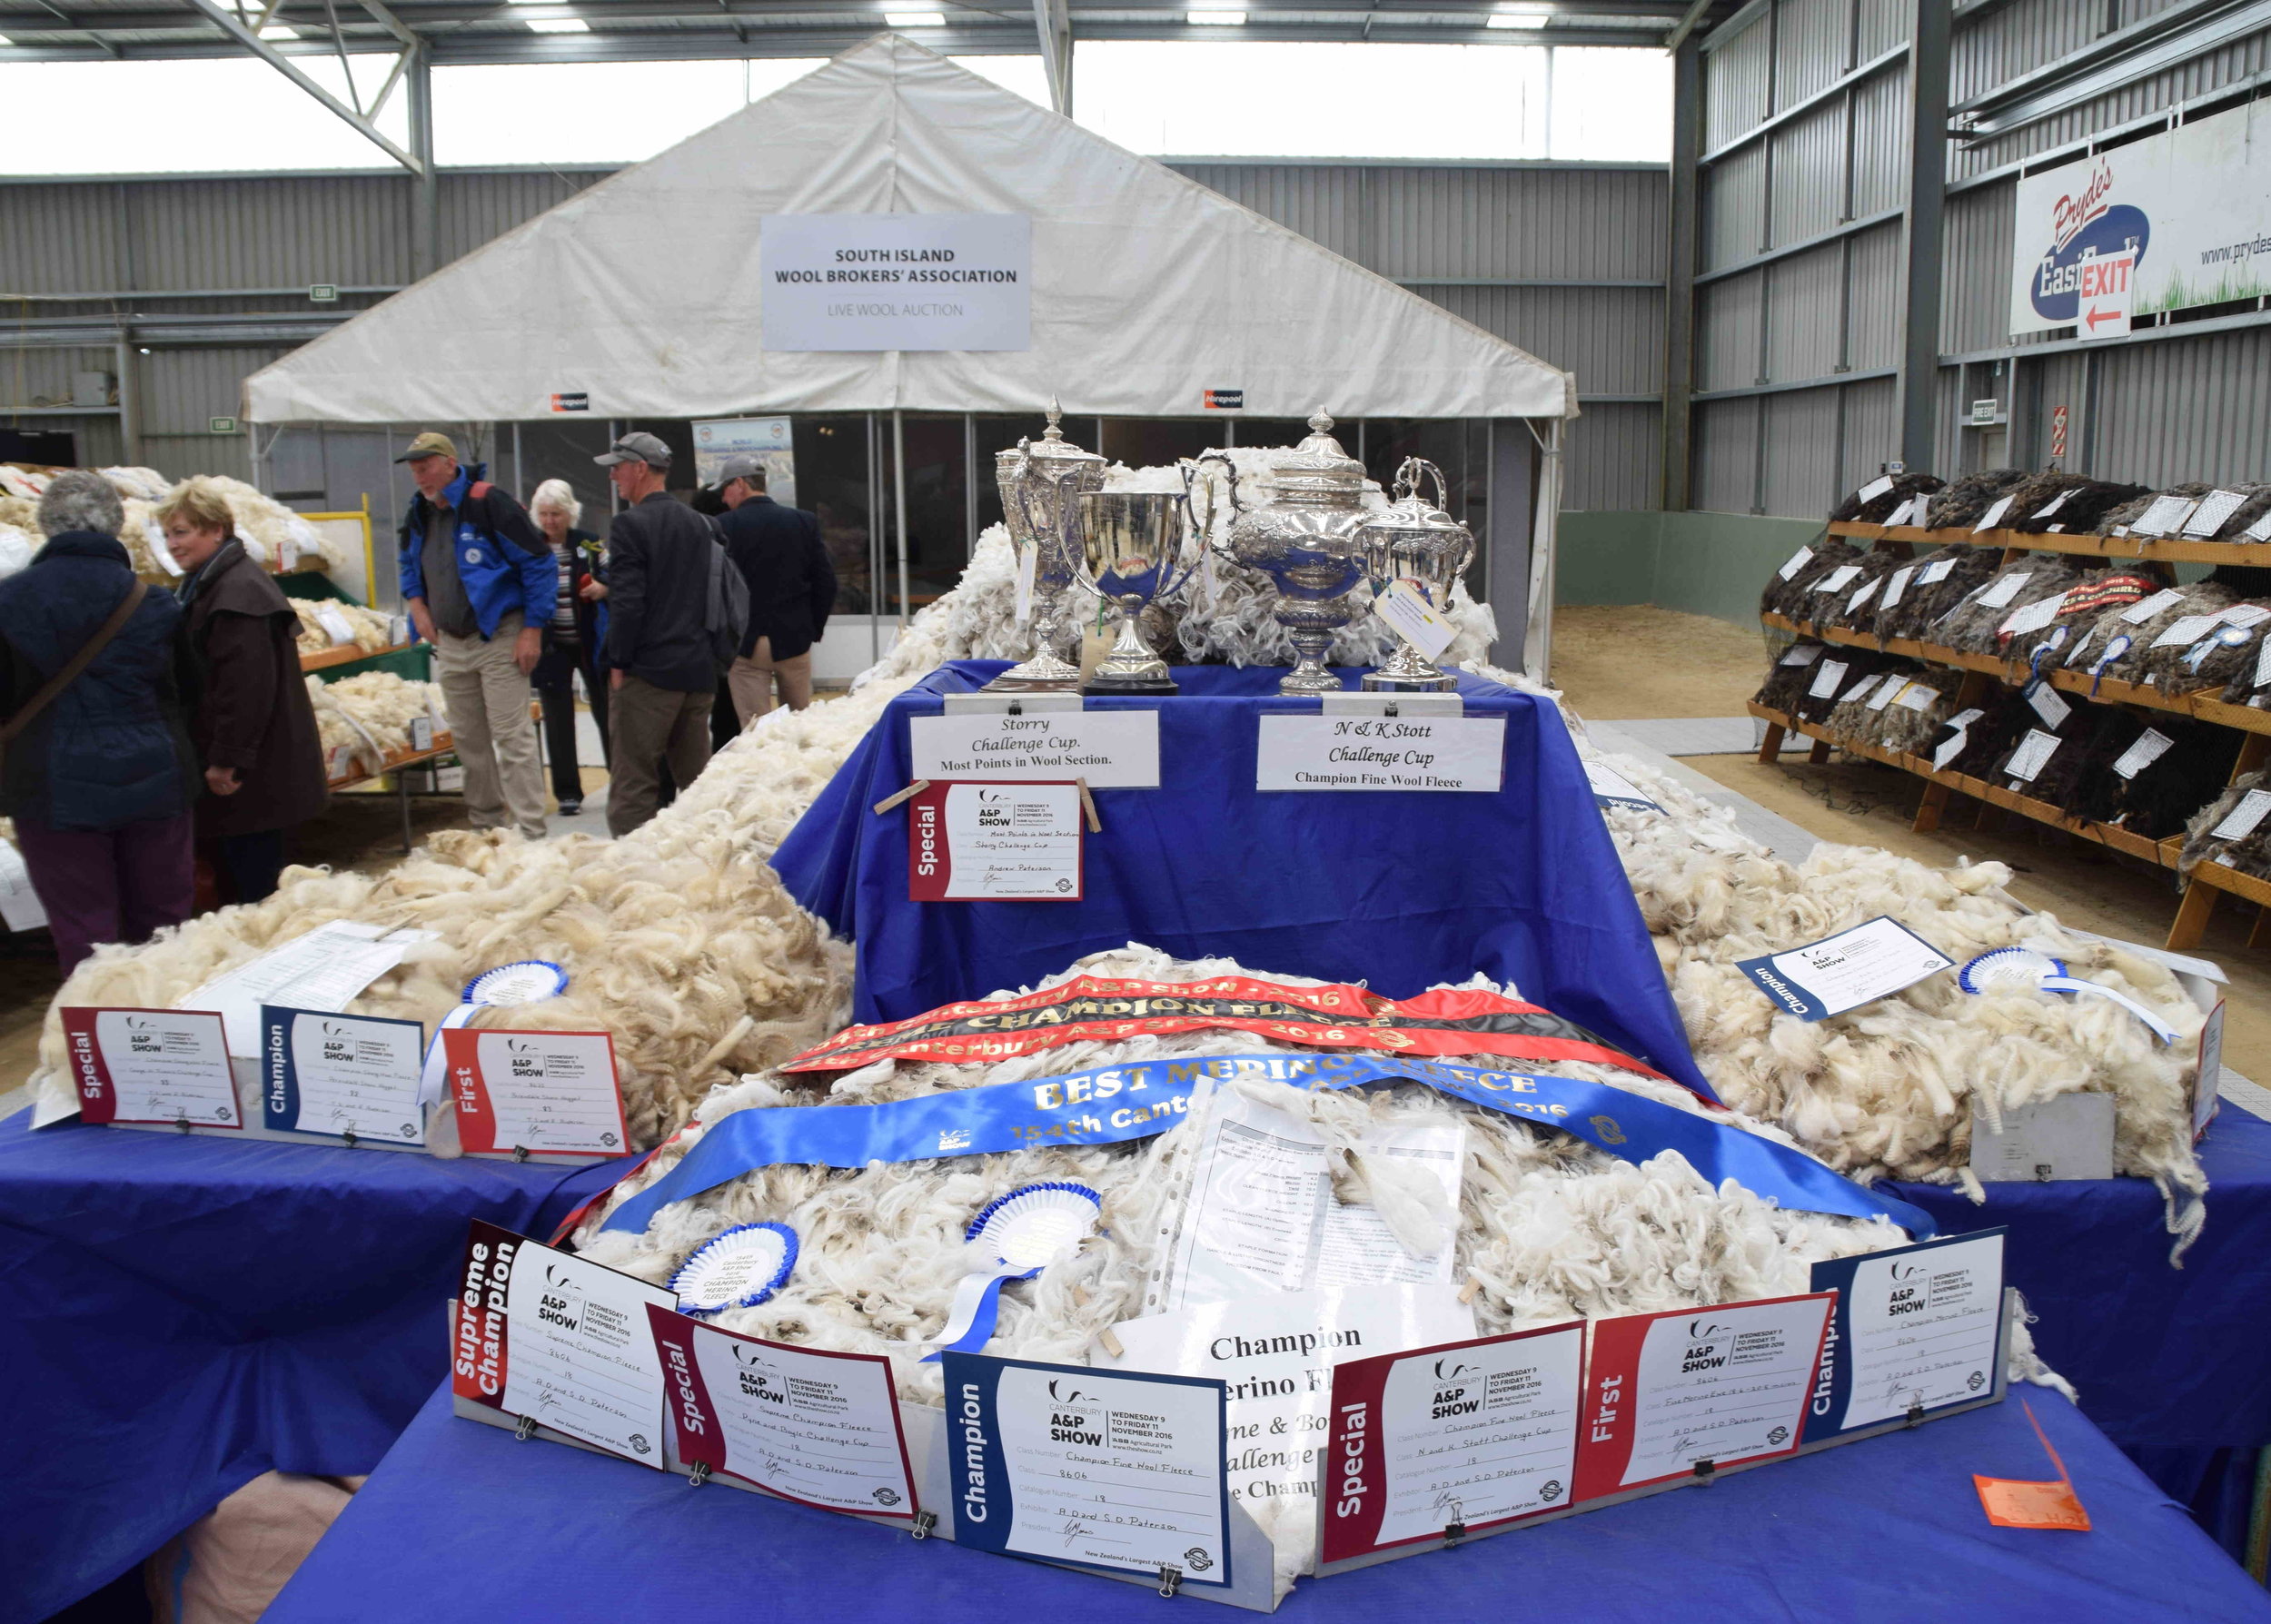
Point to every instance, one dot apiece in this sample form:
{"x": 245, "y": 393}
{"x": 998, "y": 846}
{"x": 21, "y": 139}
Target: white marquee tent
{"x": 643, "y": 293}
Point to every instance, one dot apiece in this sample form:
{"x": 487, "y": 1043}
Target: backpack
{"x": 728, "y": 611}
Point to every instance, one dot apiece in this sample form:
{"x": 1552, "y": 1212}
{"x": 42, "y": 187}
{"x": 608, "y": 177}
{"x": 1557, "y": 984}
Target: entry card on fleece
{"x": 1474, "y": 1432}
{"x": 810, "y": 1425}
{"x": 560, "y": 1341}
{"x": 1612, "y": 788}
{"x": 541, "y": 1091}
{"x": 1111, "y": 750}
{"x": 337, "y": 1073}
{"x": 1916, "y": 1328}
{"x": 1845, "y": 971}
{"x": 1666, "y": 1391}
{"x": 995, "y": 842}
{"x": 1381, "y": 752}
{"x": 1113, "y": 1470}
{"x": 167, "y": 1065}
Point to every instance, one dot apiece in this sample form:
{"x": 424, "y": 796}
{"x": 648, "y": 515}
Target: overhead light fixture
{"x": 916, "y": 19}
{"x": 1217, "y": 19}
{"x": 1519, "y": 16}
{"x": 278, "y": 31}
{"x": 559, "y": 25}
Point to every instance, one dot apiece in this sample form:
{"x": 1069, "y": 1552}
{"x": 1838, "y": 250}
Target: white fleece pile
{"x": 1551, "y": 1229}
{"x": 372, "y": 630}
{"x": 370, "y": 713}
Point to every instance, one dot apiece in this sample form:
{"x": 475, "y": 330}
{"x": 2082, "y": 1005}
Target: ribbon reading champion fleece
{"x": 1111, "y": 1104}
{"x": 1446, "y": 1021}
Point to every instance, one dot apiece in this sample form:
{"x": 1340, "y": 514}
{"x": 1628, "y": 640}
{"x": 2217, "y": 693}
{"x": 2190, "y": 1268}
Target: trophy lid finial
{"x": 1056, "y": 413}
{"x": 1320, "y": 421}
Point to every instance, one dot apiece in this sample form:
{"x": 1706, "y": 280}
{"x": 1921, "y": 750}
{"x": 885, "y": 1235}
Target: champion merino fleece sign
{"x": 1114, "y": 1103}
{"x": 1092, "y": 1007}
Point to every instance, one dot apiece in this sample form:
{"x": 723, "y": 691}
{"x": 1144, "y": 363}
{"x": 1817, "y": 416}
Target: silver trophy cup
{"x": 1126, "y": 547}
{"x": 1304, "y": 540}
{"x": 1409, "y": 541}
{"x": 1039, "y": 484}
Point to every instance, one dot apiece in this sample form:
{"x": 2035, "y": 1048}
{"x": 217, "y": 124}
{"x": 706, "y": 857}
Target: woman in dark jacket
{"x": 99, "y": 779}
{"x": 573, "y": 639}
{"x": 250, "y": 717}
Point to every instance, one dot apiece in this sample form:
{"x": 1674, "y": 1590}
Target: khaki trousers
{"x": 487, "y": 699}
{"x": 650, "y": 723}
{"x": 752, "y": 676}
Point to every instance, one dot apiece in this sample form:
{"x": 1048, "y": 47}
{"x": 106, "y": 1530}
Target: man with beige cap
{"x": 479, "y": 583}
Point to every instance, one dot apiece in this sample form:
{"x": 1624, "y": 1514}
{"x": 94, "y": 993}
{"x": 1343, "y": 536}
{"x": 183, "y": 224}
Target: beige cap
{"x": 430, "y": 444}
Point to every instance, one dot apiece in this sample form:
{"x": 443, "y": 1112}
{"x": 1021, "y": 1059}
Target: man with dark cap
{"x": 479, "y": 582}
{"x": 792, "y": 588}
{"x": 662, "y": 673}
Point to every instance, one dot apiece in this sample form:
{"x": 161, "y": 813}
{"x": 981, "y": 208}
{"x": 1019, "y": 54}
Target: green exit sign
{"x": 221, "y": 425}
{"x": 323, "y": 292}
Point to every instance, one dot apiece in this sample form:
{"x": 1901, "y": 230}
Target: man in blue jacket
{"x": 479, "y": 583}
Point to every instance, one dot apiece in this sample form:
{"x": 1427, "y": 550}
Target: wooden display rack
{"x": 348, "y": 654}
{"x": 2207, "y": 880}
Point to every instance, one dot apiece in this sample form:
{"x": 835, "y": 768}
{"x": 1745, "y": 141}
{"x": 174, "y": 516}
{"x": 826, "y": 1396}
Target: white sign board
{"x": 896, "y": 281}
{"x": 1111, "y": 750}
{"x": 1354, "y": 752}
{"x": 2193, "y": 206}
{"x": 767, "y": 439}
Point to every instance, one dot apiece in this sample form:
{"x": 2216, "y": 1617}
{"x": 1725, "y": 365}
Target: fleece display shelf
{"x": 2151, "y": 549}
{"x": 348, "y": 654}
{"x": 2207, "y": 882}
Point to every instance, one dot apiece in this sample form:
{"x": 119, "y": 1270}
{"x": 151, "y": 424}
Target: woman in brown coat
{"x": 250, "y": 718}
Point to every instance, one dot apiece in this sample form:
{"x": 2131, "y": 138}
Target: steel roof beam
{"x": 233, "y": 26}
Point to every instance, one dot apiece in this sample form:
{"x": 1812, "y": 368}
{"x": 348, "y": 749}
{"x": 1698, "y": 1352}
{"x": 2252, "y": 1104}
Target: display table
{"x": 1398, "y": 889}
{"x": 2171, "y": 1363}
{"x": 185, "y": 1313}
{"x": 461, "y": 1521}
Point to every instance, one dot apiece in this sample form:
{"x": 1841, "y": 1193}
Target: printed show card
{"x": 1474, "y": 1432}
{"x": 819, "y": 1427}
{"x": 543, "y": 1092}
{"x": 334, "y": 1074}
{"x": 165, "y": 1065}
{"x": 546, "y": 1335}
{"x": 325, "y": 969}
{"x": 1446, "y": 753}
{"x": 1667, "y": 1391}
{"x": 1612, "y": 788}
{"x": 1001, "y": 842}
{"x": 1917, "y": 1327}
{"x": 1113, "y": 1470}
{"x": 1845, "y": 971}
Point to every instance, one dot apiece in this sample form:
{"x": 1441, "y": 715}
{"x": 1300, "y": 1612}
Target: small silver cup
{"x": 1126, "y": 547}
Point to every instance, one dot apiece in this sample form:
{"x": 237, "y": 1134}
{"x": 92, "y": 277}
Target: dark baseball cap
{"x": 635, "y": 447}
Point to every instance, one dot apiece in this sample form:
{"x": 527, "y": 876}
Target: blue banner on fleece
{"x": 1113, "y": 1104}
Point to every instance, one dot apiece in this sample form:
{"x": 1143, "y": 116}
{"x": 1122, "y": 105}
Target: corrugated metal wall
{"x": 1565, "y": 260}
{"x": 1777, "y": 319}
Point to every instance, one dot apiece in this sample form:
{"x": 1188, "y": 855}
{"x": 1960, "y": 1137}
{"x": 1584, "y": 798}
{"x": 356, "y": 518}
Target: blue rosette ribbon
{"x": 740, "y": 1268}
{"x": 1026, "y": 1231}
{"x": 524, "y": 981}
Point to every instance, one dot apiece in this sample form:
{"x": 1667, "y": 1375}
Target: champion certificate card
{"x": 1918, "y": 1328}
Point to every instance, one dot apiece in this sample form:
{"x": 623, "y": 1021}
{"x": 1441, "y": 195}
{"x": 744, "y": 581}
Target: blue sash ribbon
{"x": 1114, "y": 1103}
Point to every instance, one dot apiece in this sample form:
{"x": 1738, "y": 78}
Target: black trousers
{"x": 248, "y": 865}
{"x": 555, "y": 683}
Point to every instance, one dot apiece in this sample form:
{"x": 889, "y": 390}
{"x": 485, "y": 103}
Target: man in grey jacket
{"x": 662, "y": 674}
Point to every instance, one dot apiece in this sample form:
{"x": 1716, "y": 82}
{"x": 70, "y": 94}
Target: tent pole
{"x": 1537, "y": 647}
{"x": 875, "y": 548}
{"x": 899, "y": 502}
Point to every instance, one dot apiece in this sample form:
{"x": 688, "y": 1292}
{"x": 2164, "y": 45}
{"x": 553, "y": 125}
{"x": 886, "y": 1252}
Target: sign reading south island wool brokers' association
{"x": 869, "y": 283}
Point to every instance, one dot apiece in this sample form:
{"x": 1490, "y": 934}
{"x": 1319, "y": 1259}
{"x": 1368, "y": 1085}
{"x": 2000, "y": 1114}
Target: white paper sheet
{"x": 325, "y": 969}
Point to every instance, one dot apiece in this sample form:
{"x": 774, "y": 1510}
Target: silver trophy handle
{"x": 1237, "y": 509}
{"x": 1407, "y": 480}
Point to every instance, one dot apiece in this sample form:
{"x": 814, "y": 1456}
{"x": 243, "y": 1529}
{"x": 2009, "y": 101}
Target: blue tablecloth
{"x": 178, "y": 1315}
{"x": 1397, "y": 889}
{"x": 462, "y": 1522}
{"x": 2174, "y": 1364}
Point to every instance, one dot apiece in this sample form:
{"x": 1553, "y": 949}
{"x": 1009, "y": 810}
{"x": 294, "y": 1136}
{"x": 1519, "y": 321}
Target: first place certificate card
{"x": 545, "y": 1335}
{"x": 541, "y": 1091}
{"x": 1069, "y": 1464}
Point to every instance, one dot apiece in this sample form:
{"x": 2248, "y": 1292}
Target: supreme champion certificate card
{"x": 1108, "y": 1469}
{"x": 810, "y": 1425}
{"x": 547, "y": 1336}
{"x": 1667, "y": 1391}
{"x": 1918, "y": 1328}
{"x": 1476, "y": 1434}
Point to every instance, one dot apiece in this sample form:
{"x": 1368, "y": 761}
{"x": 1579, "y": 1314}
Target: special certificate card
{"x": 563, "y": 1341}
{"x": 1005, "y": 842}
{"x": 336, "y": 1074}
{"x": 535, "y": 1091}
{"x": 1666, "y": 1391}
{"x": 1917, "y": 1328}
{"x": 816, "y": 1427}
{"x": 163, "y": 1066}
{"x": 1070, "y": 1464}
{"x": 1475, "y": 1432}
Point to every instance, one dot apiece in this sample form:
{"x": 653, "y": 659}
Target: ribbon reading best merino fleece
{"x": 1113, "y": 1104}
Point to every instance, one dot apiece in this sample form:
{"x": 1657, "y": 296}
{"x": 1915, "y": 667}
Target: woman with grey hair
{"x": 573, "y": 639}
{"x": 95, "y": 763}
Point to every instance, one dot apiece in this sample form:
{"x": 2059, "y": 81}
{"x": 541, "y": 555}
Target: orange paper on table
{"x": 2012, "y": 1503}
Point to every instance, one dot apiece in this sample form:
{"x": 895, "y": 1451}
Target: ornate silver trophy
{"x": 1411, "y": 540}
{"x": 1039, "y": 483}
{"x": 1305, "y": 542}
{"x": 1125, "y": 546}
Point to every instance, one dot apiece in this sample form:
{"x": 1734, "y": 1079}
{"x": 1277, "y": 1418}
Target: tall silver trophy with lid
{"x": 1412, "y": 541}
{"x": 1127, "y": 549}
{"x": 1304, "y": 540}
{"x": 1041, "y": 483}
